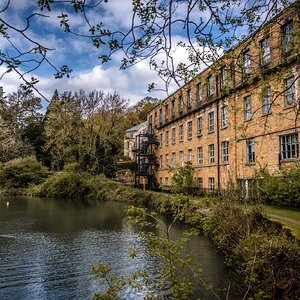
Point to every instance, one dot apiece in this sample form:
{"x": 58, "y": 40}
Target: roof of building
{"x": 136, "y": 127}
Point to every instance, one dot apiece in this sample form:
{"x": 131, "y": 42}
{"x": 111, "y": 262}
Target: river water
{"x": 48, "y": 247}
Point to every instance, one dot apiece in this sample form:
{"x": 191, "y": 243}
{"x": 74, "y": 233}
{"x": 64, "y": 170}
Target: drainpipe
{"x": 218, "y": 145}
{"x": 218, "y": 135}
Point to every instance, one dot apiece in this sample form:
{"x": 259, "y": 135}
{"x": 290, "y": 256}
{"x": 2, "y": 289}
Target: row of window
{"x": 211, "y": 183}
{"x": 290, "y": 98}
{"x": 289, "y": 149}
{"x": 211, "y": 127}
{"x": 211, "y": 156}
{"x": 265, "y": 49}
{"x": 265, "y": 58}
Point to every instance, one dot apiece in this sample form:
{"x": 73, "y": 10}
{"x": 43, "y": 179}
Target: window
{"x": 189, "y": 99}
{"x": 247, "y": 108}
{"x": 199, "y": 92}
{"x": 167, "y": 161}
{"x": 267, "y": 103}
{"x": 211, "y": 183}
{"x": 180, "y": 104}
{"x": 190, "y": 129}
{"x": 289, "y": 146}
{"x": 190, "y": 156}
{"x": 210, "y": 86}
{"x": 211, "y": 153}
{"x": 290, "y": 91}
{"x": 161, "y": 140}
{"x": 173, "y": 109}
{"x": 167, "y": 180}
{"x": 211, "y": 121}
{"x": 225, "y": 151}
{"x": 223, "y": 78}
{"x": 199, "y": 126}
{"x": 160, "y": 181}
{"x": 250, "y": 151}
{"x": 200, "y": 183}
{"x": 173, "y": 159}
{"x": 288, "y": 36}
{"x": 155, "y": 119}
{"x": 265, "y": 53}
{"x": 160, "y": 161}
{"x": 167, "y": 138}
{"x": 181, "y": 158}
{"x": 246, "y": 64}
{"x": 173, "y": 135}
{"x": 160, "y": 117}
{"x": 224, "y": 115}
{"x": 200, "y": 156}
{"x": 181, "y": 133}
{"x": 167, "y": 113}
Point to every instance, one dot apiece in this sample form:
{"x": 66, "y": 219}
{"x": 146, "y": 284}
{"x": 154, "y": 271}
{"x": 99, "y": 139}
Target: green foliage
{"x": 72, "y": 167}
{"x": 178, "y": 272}
{"x": 264, "y": 256}
{"x": 65, "y": 185}
{"x": 22, "y": 172}
{"x": 126, "y": 165}
{"x": 272, "y": 264}
{"x": 282, "y": 188}
{"x": 183, "y": 179}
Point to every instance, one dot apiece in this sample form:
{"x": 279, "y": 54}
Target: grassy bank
{"x": 262, "y": 252}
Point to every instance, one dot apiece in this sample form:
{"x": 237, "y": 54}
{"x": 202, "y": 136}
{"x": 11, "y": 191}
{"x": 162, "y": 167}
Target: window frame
{"x": 199, "y": 126}
{"x": 287, "y": 37}
{"x": 211, "y": 153}
{"x": 211, "y": 184}
{"x": 248, "y": 110}
{"x": 224, "y": 115}
{"x": 181, "y": 133}
{"x": 290, "y": 91}
{"x": 290, "y": 146}
{"x": 173, "y": 135}
{"x": 200, "y": 156}
{"x": 250, "y": 144}
{"x": 181, "y": 158}
{"x": 211, "y": 121}
{"x": 265, "y": 51}
{"x": 199, "y": 92}
{"x": 266, "y": 101}
{"x": 189, "y": 129}
{"x": 190, "y": 156}
{"x": 167, "y": 138}
{"x": 246, "y": 62}
{"x": 210, "y": 86}
{"x": 225, "y": 151}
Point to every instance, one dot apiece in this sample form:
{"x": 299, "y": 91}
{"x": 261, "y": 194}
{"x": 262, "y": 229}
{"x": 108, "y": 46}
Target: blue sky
{"x": 78, "y": 53}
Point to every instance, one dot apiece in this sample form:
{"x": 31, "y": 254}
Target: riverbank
{"x": 261, "y": 251}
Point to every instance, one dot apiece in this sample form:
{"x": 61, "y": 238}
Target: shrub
{"x": 22, "y": 172}
{"x": 271, "y": 263}
{"x": 65, "y": 185}
{"x": 280, "y": 189}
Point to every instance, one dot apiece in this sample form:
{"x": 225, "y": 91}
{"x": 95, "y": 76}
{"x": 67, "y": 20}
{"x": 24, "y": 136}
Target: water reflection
{"x": 47, "y": 248}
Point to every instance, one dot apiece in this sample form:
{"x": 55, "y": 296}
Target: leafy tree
{"x": 183, "y": 179}
{"x": 138, "y": 112}
{"x": 178, "y": 274}
{"x": 21, "y": 172}
{"x": 19, "y": 118}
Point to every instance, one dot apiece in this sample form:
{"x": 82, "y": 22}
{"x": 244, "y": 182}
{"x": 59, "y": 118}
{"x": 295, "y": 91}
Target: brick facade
{"x": 238, "y": 115}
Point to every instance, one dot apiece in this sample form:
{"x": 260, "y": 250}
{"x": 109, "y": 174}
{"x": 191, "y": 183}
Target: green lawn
{"x": 287, "y": 217}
